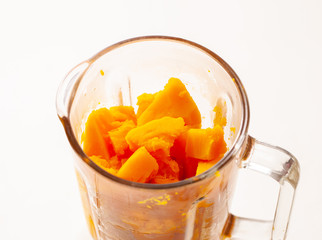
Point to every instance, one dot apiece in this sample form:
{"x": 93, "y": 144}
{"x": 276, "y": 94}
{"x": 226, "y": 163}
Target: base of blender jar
{"x": 238, "y": 228}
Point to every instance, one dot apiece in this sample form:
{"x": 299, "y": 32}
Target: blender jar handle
{"x": 283, "y": 167}
{"x": 67, "y": 89}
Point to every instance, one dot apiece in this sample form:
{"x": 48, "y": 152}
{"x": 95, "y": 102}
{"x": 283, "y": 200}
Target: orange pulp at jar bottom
{"x": 161, "y": 143}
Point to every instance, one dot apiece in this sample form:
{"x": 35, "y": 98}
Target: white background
{"x": 274, "y": 46}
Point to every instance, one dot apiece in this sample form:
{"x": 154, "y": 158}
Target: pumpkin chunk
{"x": 178, "y": 152}
{"x": 205, "y": 144}
{"x": 190, "y": 167}
{"x": 205, "y": 165}
{"x": 173, "y": 101}
{"x": 118, "y": 137}
{"x": 111, "y": 165}
{"x": 123, "y": 113}
{"x": 140, "y": 167}
{"x": 168, "y": 168}
{"x": 95, "y": 138}
{"x": 144, "y": 100}
{"x": 156, "y": 135}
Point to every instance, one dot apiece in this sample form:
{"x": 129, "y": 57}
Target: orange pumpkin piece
{"x": 140, "y": 167}
{"x": 144, "y": 100}
{"x": 178, "y": 152}
{"x": 190, "y": 167}
{"x": 118, "y": 137}
{"x": 123, "y": 113}
{"x": 168, "y": 168}
{"x": 162, "y": 179}
{"x": 205, "y": 165}
{"x": 205, "y": 144}
{"x": 111, "y": 165}
{"x": 95, "y": 138}
{"x": 168, "y": 173}
{"x": 173, "y": 101}
{"x": 156, "y": 135}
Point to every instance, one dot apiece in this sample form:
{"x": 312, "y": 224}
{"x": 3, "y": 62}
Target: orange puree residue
{"x": 161, "y": 143}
